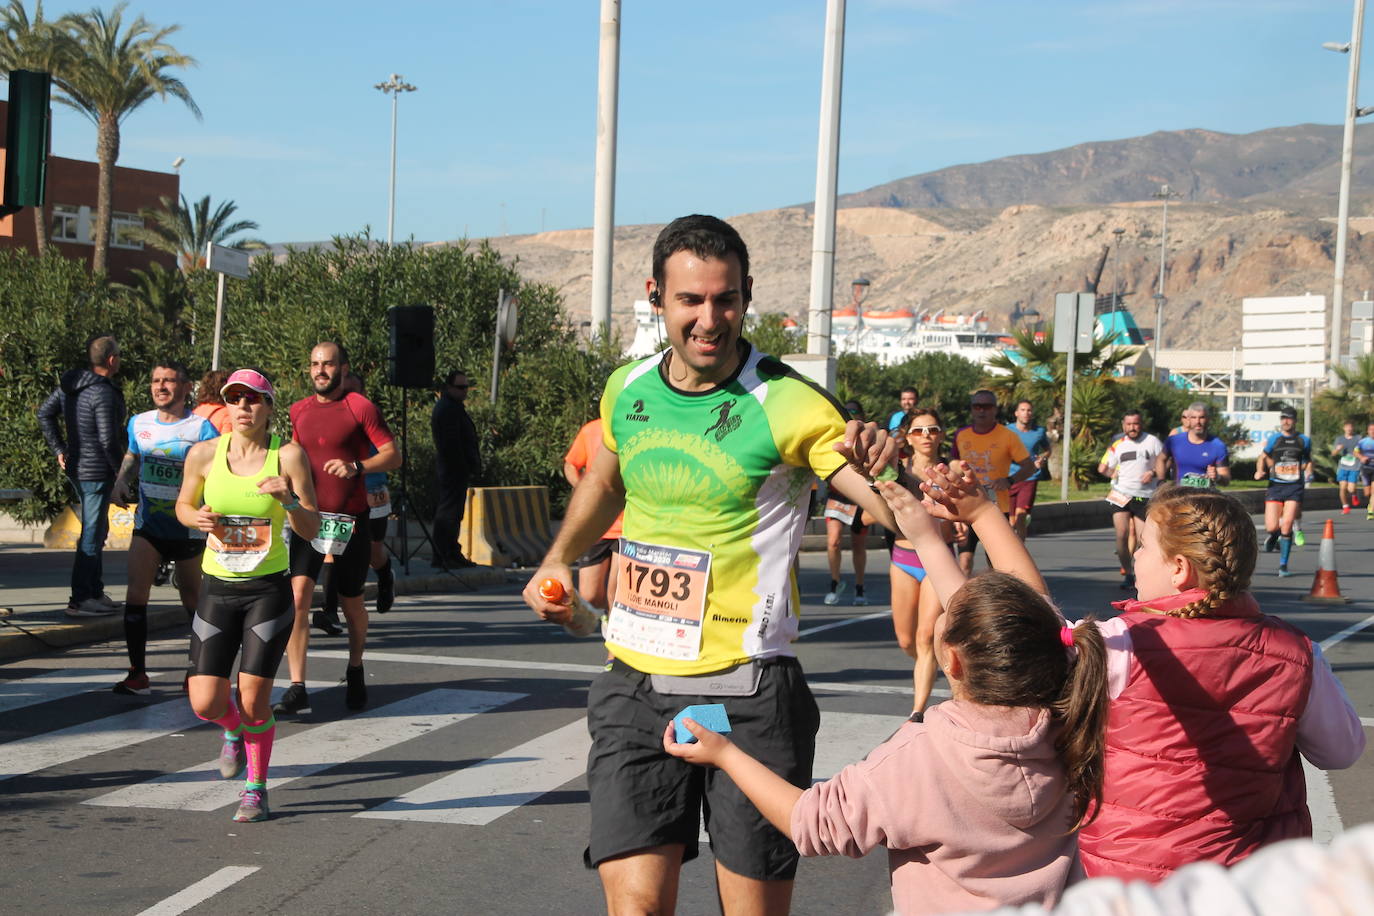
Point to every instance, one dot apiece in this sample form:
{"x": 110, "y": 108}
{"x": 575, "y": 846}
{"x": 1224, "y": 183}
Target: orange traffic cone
{"x": 1325, "y": 588}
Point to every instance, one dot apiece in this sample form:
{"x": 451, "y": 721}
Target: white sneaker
{"x": 833, "y": 598}
{"x": 91, "y": 607}
{"x": 860, "y": 601}
{"x": 105, "y": 599}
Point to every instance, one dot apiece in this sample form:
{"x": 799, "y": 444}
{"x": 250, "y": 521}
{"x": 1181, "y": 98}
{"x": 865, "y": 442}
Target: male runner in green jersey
{"x": 711, "y": 449}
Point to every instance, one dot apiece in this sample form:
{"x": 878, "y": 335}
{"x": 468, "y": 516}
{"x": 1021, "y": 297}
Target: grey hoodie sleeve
{"x": 49, "y": 413}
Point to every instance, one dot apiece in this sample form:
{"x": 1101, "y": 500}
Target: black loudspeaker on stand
{"x": 410, "y": 365}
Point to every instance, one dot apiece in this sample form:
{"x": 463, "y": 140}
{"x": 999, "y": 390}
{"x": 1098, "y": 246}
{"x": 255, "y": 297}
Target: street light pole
{"x": 1116, "y": 274}
{"x": 1352, "y": 111}
{"x": 1164, "y": 193}
{"x": 393, "y": 87}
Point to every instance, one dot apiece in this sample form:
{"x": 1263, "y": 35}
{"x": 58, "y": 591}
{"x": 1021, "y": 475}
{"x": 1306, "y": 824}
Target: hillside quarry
{"x": 1279, "y": 240}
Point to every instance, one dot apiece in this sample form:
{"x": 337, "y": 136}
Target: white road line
{"x": 843, "y": 623}
{"x": 479, "y": 794}
{"x": 416, "y": 659}
{"x": 98, "y": 736}
{"x": 405, "y": 658}
{"x": 201, "y": 891}
{"x": 1367, "y": 723}
{"x": 840, "y": 687}
{"x": 200, "y": 788}
{"x": 847, "y": 737}
{"x": 55, "y": 685}
{"x": 1326, "y": 820}
{"x": 1346, "y": 633}
{"x": 28, "y": 755}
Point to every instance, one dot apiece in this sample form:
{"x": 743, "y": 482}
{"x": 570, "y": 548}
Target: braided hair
{"x": 1215, "y": 534}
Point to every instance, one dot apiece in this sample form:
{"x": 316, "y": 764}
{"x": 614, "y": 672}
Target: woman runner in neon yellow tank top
{"x": 240, "y": 489}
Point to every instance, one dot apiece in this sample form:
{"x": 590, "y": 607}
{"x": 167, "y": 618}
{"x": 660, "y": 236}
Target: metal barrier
{"x": 506, "y": 525}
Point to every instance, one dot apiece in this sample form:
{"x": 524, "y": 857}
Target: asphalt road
{"x": 459, "y": 789}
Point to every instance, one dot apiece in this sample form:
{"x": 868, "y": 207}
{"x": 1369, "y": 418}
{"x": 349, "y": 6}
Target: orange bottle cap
{"x": 551, "y": 590}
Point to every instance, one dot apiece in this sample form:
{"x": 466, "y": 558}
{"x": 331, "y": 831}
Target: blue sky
{"x": 718, "y": 100}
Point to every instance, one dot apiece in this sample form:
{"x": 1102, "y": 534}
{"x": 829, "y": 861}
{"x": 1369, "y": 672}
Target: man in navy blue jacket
{"x": 92, "y": 412}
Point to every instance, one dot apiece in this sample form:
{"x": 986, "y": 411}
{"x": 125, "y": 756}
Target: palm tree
{"x": 1041, "y": 378}
{"x": 114, "y": 72}
{"x": 1354, "y": 396}
{"x": 185, "y": 229}
{"x": 33, "y": 44}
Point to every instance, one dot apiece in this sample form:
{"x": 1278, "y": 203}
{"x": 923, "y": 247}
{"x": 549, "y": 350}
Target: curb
{"x": 18, "y": 640}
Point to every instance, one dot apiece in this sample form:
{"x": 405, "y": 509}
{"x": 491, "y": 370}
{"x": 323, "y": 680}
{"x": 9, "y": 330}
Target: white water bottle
{"x": 585, "y": 619}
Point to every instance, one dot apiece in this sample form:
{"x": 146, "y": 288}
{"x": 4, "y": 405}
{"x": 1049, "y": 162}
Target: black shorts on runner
{"x": 173, "y": 550}
{"x": 255, "y": 613}
{"x": 350, "y": 567}
{"x": 599, "y": 552}
{"x": 642, "y": 797}
{"x": 1136, "y": 505}
{"x": 1284, "y": 492}
{"x": 376, "y": 529}
{"x": 1367, "y": 475}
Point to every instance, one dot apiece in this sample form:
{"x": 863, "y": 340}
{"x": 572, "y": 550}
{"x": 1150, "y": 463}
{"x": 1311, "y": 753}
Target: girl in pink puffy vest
{"x": 1213, "y": 703}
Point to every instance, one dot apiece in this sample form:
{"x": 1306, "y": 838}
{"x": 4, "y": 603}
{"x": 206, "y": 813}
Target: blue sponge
{"x": 708, "y": 715}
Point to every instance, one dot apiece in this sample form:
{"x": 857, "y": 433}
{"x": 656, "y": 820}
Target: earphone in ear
{"x": 654, "y": 299}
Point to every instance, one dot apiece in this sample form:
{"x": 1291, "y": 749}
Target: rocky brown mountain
{"x": 1256, "y": 218}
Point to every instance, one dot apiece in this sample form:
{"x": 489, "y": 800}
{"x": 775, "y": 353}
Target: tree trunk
{"x": 107, "y": 153}
{"x": 40, "y": 228}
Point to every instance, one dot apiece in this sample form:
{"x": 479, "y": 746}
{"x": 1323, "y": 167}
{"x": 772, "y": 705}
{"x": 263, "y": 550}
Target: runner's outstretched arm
{"x": 918, "y": 526}
{"x": 597, "y": 499}
{"x": 964, "y": 499}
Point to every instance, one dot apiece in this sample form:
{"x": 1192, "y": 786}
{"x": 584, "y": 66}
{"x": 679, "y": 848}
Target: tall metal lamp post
{"x": 1164, "y": 193}
{"x": 393, "y": 87}
{"x": 1352, "y": 111}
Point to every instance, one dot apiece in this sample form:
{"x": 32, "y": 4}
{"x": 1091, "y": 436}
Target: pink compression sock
{"x": 231, "y": 722}
{"x": 257, "y": 739}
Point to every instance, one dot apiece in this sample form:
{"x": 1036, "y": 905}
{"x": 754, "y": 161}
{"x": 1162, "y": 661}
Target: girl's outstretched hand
{"x": 707, "y": 749}
{"x": 957, "y": 497}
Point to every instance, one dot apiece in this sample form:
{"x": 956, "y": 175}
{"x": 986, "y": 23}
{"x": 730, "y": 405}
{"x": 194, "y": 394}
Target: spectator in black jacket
{"x": 456, "y": 463}
{"x": 91, "y": 409}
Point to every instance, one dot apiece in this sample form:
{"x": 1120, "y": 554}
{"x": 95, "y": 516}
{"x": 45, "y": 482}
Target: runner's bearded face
{"x": 703, "y": 302}
{"x": 1131, "y": 427}
{"x": 168, "y": 389}
{"x": 326, "y": 371}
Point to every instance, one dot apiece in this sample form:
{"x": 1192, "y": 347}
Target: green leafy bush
{"x": 49, "y": 307}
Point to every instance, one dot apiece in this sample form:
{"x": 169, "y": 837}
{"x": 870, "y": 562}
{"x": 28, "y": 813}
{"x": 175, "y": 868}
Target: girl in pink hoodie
{"x": 978, "y": 803}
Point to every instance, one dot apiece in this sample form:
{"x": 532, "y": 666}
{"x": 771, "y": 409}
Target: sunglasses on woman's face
{"x": 925, "y": 430}
{"x": 247, "y": 398}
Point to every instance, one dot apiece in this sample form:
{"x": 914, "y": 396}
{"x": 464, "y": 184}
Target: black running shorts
{"x": 642, "y": 797}
{"x": 173, "y": 550}
{"x": 599, "y": 552}
{"x": 350, "y": 567}
{"x": 255, "y": 613}
{"x": 1285, "y": 492}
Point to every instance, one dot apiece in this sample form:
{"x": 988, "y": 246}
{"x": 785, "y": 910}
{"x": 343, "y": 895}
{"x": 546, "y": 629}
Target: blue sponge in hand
{"x": 709, "y": 715}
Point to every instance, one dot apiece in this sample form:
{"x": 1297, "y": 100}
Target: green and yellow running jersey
{"x": 725, "y": 472}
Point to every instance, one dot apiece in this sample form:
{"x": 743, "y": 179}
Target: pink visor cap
{"x": 252, "y": 379}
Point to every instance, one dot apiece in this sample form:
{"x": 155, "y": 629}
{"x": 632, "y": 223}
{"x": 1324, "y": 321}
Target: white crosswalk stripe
{"x": 57, "y": 685}
{"x": 99, "y": 736}
{"x": 481, "y": 793}
{"x": 200, "y": 788}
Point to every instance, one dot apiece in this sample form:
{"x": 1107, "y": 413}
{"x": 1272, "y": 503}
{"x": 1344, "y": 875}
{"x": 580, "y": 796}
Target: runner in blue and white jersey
{"x": 158, "y": 442}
